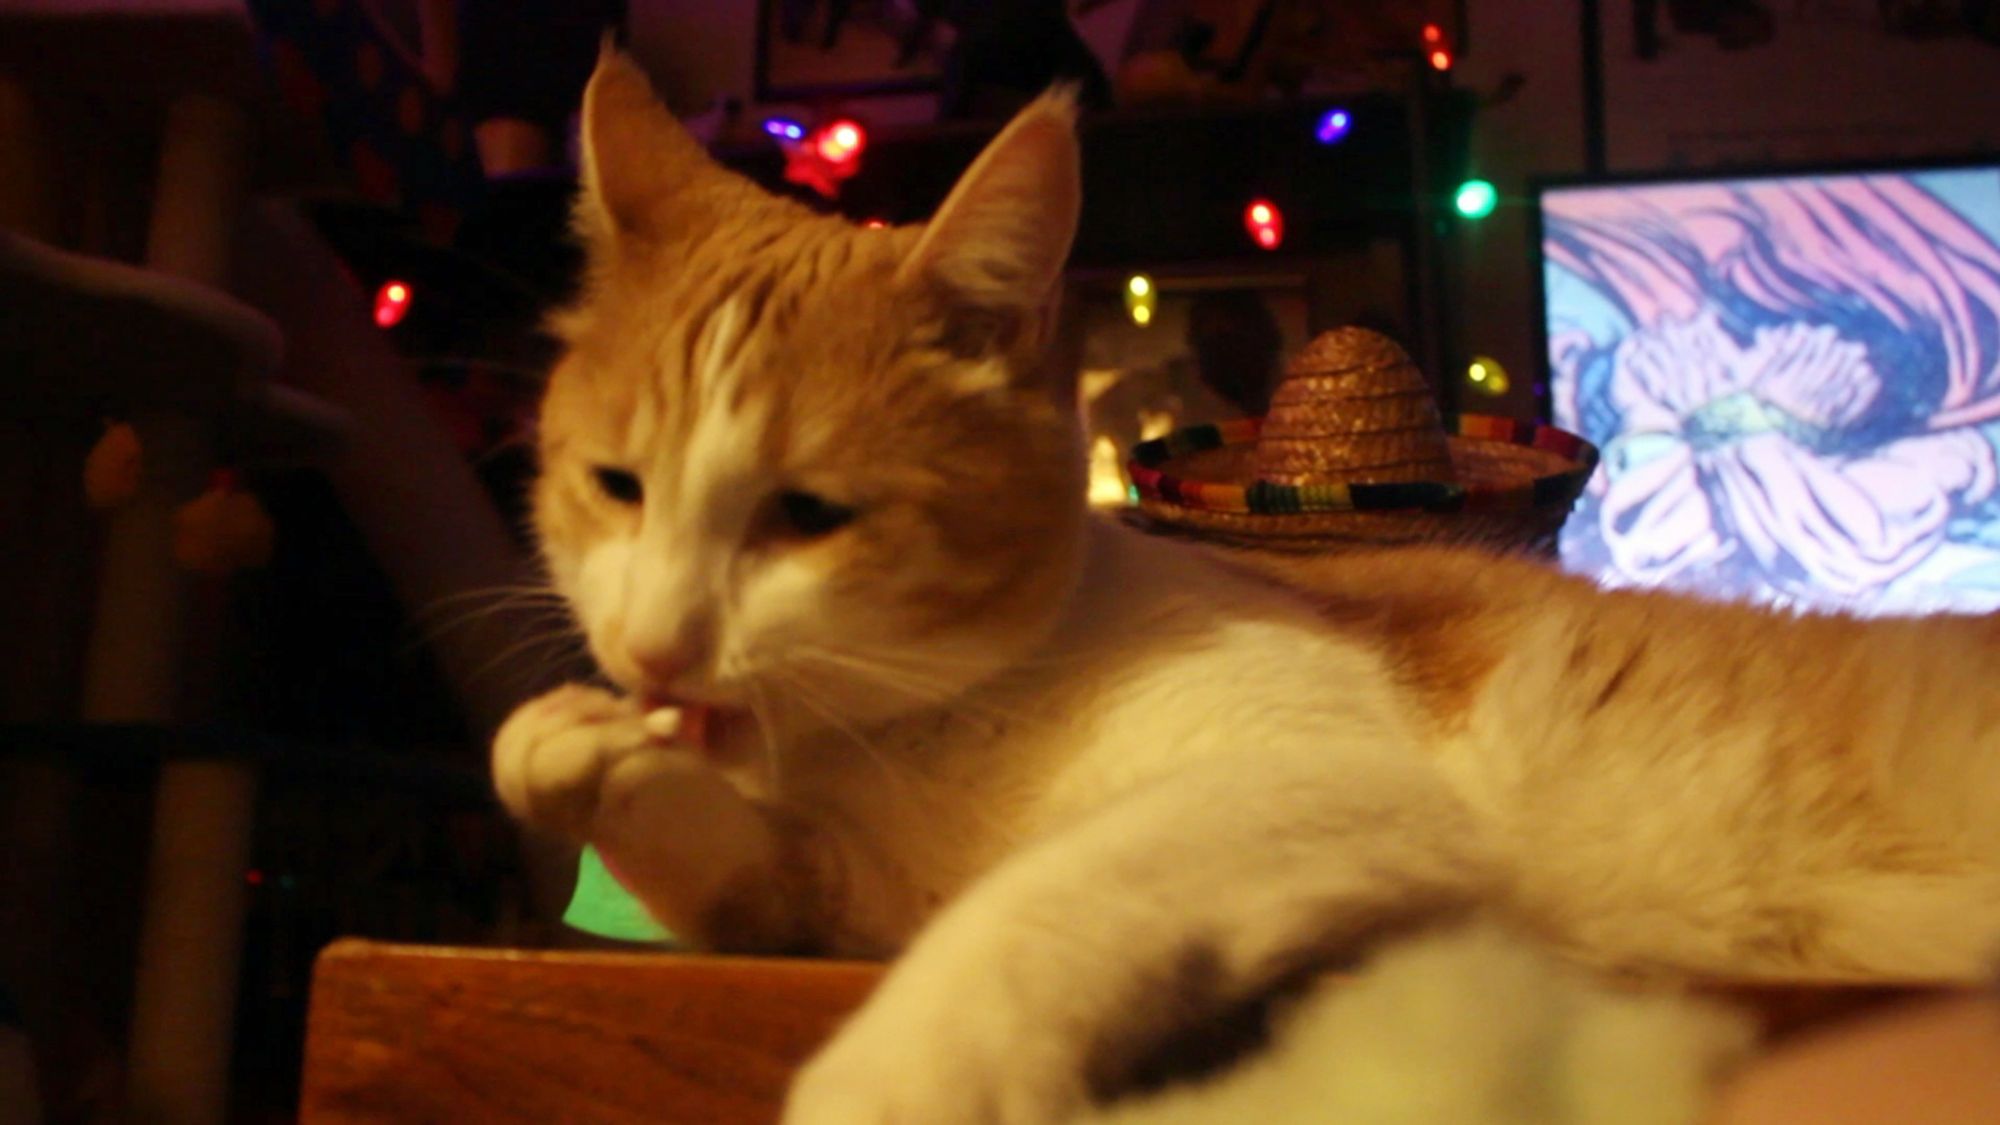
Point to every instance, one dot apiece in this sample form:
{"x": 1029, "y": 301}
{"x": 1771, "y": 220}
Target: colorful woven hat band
{"x": 1274, "y": 498}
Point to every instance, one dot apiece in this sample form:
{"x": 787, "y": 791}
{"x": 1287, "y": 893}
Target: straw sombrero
{"x": 1353, "y": 453}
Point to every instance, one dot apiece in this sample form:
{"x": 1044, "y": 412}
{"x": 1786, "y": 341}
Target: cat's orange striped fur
{"x": 825, "y": 483}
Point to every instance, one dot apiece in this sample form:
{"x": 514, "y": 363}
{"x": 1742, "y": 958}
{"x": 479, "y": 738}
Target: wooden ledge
{"x": 402, "y": 1033}
{"x": 406, "y": 1034}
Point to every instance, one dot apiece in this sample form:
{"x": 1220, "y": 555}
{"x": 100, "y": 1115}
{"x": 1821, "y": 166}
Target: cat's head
{"x": 788, "y": 457}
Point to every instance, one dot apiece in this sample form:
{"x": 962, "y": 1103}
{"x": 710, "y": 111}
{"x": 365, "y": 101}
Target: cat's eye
{"x": 811, "y": 515}
{"x": 619, "y": 484}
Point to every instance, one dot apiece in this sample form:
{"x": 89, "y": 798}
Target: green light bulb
{"x": 1476, "y": 199}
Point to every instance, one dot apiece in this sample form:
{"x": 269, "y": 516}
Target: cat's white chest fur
{"x": 1166, "y": 659}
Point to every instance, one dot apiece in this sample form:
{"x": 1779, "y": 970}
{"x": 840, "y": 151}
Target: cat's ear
{"x": 999, "y": 242}
{"x": 643, "y": 173}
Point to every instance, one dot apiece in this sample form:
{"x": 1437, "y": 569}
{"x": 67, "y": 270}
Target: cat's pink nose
{"x": 662, "y": 666}
{"x": 667, "y": 649}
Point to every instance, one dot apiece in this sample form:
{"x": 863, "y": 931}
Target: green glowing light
{"x": 1476, "y": 199}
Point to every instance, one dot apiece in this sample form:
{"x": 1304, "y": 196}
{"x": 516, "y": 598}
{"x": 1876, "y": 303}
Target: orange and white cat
{"x": 821, "y": 486}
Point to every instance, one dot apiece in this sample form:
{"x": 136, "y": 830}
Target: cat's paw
{"x": 933, "y": 1075}
{"x": 947, "y": 1038}
{"x": 553, "y": 754}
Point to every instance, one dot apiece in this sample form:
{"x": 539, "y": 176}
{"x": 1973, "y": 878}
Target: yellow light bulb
{"x": 1487, "y": 376}
{"x": 1140, "y": 285}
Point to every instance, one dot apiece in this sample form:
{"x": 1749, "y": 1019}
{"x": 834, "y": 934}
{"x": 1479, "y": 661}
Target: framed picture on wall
{"x": 1294, "y": 45}
{"x": 811, "y": 49}
{"x": 1694, "y": 84}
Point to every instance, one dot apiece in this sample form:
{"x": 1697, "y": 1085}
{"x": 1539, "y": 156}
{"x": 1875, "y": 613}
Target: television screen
{"x": 1794, "y": 380}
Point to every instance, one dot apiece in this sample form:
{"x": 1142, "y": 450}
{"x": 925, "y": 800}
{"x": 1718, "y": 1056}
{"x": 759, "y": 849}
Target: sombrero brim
{"x": 1516, "y": 482}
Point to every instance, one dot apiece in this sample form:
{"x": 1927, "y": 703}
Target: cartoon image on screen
{"x": 1795, "y": 383}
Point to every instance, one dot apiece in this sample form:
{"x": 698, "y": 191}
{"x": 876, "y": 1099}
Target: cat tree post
{"x": 25, "y": 186}
{"x": 191, "y": 930}
{"x": 423, "y": 512}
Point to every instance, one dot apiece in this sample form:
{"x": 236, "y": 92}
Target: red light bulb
{"x": 1265, "y": 223}
{"x": 392, "y": 303}
{"x": 1432, "y": 33}
{"x": 842, "y": 141}
{"x": 1440, "y": 59}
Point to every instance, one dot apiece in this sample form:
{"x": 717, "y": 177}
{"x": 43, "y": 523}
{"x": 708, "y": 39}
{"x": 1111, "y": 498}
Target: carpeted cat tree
{"x": 197, "y": 374}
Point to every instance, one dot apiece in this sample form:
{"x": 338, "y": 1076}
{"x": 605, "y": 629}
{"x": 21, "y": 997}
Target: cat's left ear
{"x": 999, "y": 242}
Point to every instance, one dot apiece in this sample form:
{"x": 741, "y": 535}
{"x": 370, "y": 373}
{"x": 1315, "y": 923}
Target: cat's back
{"x": 1747, "y": 791}
{"x": 1505, "y": 651}
{"x": 1818, "y": 724}
{"x": 1692, "y": 783}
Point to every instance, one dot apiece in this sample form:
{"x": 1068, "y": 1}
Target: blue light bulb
{"x": 1333, "y": 126}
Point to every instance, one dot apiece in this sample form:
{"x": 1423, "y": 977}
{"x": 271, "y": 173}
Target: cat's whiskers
{"x": 902, "y": 778}
{"x": 486, "y": 600}
{"x": 762, "y": 717}
{"x": 551, "y": 649}
{"x": 946, "y": 696}
{"x": 534, "y": 603}
{"x": 907, "y": 681}
{"x": 526, "y": 624}
{"x": 498, "y": 590}
{"x": 922, "y": 660}
{"x": 818, "y": 705}
{"x": 904, "y": 682}
{"x": 906, "y": 777}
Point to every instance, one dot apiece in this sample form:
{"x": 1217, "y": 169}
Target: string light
{"x": 1487, "y": 376}
{"x": 392, "y": 304}
{"x": 841, "y": 141}
{"x": 784, "y": 128}
{"x": 1265, "y": 223}
{"x": 828, "y": 156}
{"x": 1476, "y": 199}
{"x": 1141, "y": 297}
{"x": 1440, "y": 59}
{"x": 1433, "y": 33}
{"x": 1334, "y": 126}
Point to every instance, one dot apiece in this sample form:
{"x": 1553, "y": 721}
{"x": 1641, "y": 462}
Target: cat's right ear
{"x": 644, "y": 175}
{"x": 999, "y": 241}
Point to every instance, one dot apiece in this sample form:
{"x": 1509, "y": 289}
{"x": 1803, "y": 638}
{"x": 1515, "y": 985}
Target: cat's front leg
{"x": 1056, "y": 982}
{"x": 719, "y": 870}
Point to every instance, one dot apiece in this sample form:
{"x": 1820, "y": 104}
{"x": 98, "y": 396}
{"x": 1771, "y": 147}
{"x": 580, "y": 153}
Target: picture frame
{"x": 815, "y": 50}
{"x": 1742, "y": 83}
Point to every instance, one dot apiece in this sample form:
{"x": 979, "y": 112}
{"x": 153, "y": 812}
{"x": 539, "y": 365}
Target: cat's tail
{"x": 1471, "y": 1023}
